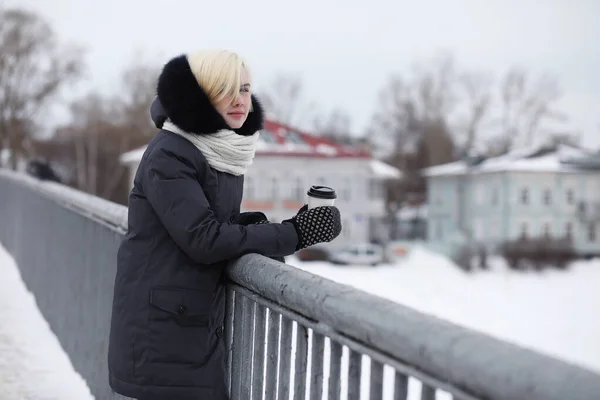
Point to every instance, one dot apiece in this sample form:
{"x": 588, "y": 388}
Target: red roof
{"x": 277, "y": 139}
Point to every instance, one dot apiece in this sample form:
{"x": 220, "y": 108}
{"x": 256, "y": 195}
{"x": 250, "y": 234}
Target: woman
{"x": 166, "y": 339}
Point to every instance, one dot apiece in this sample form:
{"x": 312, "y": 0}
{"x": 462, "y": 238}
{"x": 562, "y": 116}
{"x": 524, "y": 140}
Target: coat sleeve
{"x": 170, "y": 183}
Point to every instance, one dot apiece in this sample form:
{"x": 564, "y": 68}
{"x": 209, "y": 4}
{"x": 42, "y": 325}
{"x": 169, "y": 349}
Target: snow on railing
{"x": 84, "y": 203}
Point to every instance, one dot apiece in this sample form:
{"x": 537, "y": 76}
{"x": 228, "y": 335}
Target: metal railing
{"x": 291, "y": 334}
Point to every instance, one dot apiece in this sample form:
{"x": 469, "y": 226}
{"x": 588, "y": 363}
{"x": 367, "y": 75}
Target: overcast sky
{"x": 345, "y": 50}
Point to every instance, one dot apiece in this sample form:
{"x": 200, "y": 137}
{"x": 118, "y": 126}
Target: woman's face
{"x": 235, "y": 112}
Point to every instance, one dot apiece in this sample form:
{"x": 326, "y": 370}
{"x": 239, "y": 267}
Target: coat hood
{"x": 184, "y": 102}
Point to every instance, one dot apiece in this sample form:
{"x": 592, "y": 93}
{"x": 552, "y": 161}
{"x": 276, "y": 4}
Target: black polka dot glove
{"x": 317, "y": 225}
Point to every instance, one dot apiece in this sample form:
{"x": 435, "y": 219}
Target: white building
{"x": 289, "y": 161}
{"x": 536, "y": 192}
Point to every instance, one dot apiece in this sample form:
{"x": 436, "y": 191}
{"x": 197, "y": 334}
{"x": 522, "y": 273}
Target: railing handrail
{"x": 479, "y": 364}
{"x": 95, "y": 207}
{"x": 476, "y": 363}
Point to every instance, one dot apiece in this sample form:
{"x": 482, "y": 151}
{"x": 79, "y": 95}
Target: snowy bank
{"x": 33, "y": 366}
{"x": 553, "y": 312}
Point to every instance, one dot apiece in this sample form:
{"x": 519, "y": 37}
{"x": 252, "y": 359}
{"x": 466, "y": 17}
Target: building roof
{"x": 278, "y": 139}
{"x": 562, "y": 158}
{"x": 383, "y": 170}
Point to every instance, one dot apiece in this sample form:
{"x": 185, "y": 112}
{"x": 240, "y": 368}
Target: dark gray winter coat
{"x": 166, "y": 338}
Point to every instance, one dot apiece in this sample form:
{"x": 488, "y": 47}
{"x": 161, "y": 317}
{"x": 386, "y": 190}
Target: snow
{"x": 133, "y": 156}
{"x": 33, "y": 365}
{"x": 103, "y": 209}
{"x": 326, "y": 149}
{"x": 384, "y": 171}
{"x": 520, "y": 160}
{"x": 551, "y": 312}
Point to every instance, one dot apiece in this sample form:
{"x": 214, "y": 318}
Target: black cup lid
{"x": 322, "y": 192}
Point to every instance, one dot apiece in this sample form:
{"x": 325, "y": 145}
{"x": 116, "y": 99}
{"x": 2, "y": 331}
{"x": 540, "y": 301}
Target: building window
{"x": 525, "y": 196}
{"x": 480, "y": 193}
{"x": 267, "y": 137}
{"x": 274, "y": 188}
{"x": 346, "y": 189}
{"x": 592, "y": 232}
{"x": 434, "y": 197}
{"x": 547, "y": 231}
{"x": 570, "y": 197}
{"x": 569, "y": 230}
{"x": 439, "y": 230}
{"x": 524, "y": 229}
{"x": 375, "y": 189}
{"x": 298, "y": 192}
{"x": 547, "y": 197}
{"x": 293, "y": 137}
{"x": 495, "y": 196}
{"x": 478, "y": 229}
{"x": 346, "y": 229}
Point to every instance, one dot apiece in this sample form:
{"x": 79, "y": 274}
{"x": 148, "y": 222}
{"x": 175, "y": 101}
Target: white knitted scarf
{"x": 224, "y": 150}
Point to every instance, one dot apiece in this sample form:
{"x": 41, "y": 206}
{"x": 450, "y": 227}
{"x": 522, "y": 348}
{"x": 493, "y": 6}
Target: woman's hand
{"x": 316, "y": 225}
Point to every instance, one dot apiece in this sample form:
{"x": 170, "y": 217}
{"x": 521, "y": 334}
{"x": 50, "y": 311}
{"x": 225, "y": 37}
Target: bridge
{"x": 290, "y": 334}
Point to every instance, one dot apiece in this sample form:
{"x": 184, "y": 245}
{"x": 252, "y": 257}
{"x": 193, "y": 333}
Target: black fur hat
{"x": 187, "y": 105}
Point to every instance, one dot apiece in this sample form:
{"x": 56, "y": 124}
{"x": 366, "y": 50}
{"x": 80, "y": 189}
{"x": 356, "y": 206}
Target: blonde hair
{"x": 218, "y": 72}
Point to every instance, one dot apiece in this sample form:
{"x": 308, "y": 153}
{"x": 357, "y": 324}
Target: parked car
{"x": 358, "y": 254}
{"x": 314, "y": 253}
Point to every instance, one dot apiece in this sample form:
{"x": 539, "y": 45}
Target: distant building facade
{"x": 540, "y": 192}
{"x": 288, "y": 161}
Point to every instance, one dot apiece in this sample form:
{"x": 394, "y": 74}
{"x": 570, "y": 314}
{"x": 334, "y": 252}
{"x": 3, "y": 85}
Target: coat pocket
{"x": 178, "y": 326}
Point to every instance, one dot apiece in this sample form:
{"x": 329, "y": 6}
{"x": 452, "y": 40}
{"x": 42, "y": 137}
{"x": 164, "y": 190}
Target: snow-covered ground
{"x": 33, "y": 365}
{"x": 554, "y": 312}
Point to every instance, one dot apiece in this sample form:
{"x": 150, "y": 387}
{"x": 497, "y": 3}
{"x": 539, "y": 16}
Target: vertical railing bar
{"x": 354, "y": 374}
{"x": 229, "y": 306}
{"x": 427, "y": 392}
{"x": 400, "y": 386}
{"x": 236, "y": 353}
{"x": 376, "y": 381}
{"x": 316, "y": 365}
{"x": 247, "y": 350}
{"x": 301, "y": 362}
{"x": 258, "y": 374}
{"x": 272, "y": 355}
{"x": 285, "y": 358}
{"x": 335, "y": 368}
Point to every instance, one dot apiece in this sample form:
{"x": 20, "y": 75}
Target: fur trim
{"x": 187, "y": 105}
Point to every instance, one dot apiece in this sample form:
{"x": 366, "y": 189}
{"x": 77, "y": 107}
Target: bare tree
{"x": 405, "y": 103}
{"x": 395, "y": 118}
{"x": 434, "y": 84}
{"x": 91, "y": 118}
{"x": 335, "y": 125}
{"x": 33, "y": 68}
{"x": 284, "y": 99}
{"x": 101, "y": 129}
{"x": 526, "y": 105}
{"x": 138, "y": 82}
{"x": 478, "y": 90}
{"x": 413, "y": 120}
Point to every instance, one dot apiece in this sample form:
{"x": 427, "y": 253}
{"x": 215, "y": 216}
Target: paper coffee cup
{"x": 319, "y": 196}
